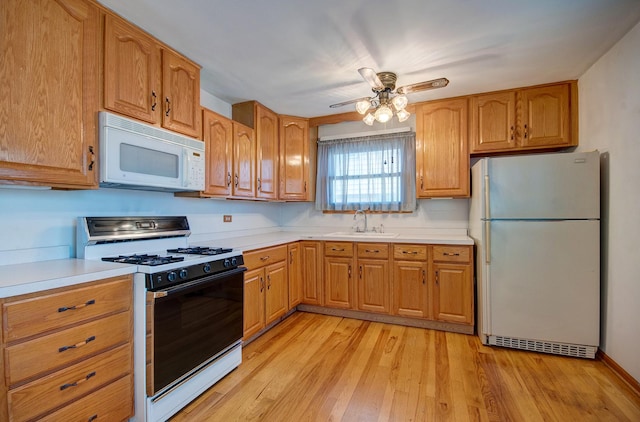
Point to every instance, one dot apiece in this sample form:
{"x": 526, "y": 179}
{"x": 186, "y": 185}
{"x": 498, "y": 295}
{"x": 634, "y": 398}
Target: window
{"x": 374, "y": 173}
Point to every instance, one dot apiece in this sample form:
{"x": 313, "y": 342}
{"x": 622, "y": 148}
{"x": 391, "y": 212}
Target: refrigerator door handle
{"x": 487, "y": 208}
{"x": 487, "y": 242}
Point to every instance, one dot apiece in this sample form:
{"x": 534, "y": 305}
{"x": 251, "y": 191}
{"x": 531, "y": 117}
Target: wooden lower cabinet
{"x": 67, "y": 353}
{"x": 338, "y": 275}
{"x": 374, "y": 278}
{"x": 266, "y": 296}
{"x": 295, "y": 274}
{"x": 312, "y": 280}
{"x": 410, "y": 289}
{"x": 453, "y": 293}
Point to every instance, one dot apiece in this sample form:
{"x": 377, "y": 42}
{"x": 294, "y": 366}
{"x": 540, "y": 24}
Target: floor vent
{"x": 564, "y": 349}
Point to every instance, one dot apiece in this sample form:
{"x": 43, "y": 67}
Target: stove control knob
{"x": 234, "y": 261}
{"x": 171, "y": 276}
{"x": 183, "y": 273}
{"x": 226, "y": 263}
{"x": 207, "y": 268}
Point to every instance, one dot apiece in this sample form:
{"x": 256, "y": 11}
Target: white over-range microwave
{"x": 135, "y": 155}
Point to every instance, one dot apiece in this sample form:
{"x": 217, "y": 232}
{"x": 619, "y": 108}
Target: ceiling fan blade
{"x": 422, "y": 86}
{"x": 344, "y": 103}
{"x": 371, "y": 77}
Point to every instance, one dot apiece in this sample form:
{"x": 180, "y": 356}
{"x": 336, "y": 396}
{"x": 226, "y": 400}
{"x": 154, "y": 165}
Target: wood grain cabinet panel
{"x": 338, "y": 282}
{"x": 312, "y": 277}
{"x": 217, "y": 133}
{"x": 493, "y": 121}
{"x": 410, "y": 289}
{"x": 181, "y": 94}
{"x": 244, "y": 157}
{"x": 295, "y": 274}
{"x": 294, "y": 159}
{"x": 49, "y": 92}
{"x": 374, "y": 288}
{"x": 276, "y": 294}
{"x": 253, "y": 316}
{"x": 453, "y": 293}
{"x": 442, "y": 151}
{"x": 545, "y": 117}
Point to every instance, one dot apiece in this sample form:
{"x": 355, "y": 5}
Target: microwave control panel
{"x": 195, "y": 170}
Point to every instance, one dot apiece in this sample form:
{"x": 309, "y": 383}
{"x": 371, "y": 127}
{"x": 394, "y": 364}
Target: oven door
{"x": 191, "y": 324}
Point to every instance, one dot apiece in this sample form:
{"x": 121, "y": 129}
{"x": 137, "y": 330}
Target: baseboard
{"x": 619, "y": 371}
{"x": 389, "y": 319}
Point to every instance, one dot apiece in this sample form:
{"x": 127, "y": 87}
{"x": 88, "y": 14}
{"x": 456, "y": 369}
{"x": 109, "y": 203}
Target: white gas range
{"x": 193, "y": 297}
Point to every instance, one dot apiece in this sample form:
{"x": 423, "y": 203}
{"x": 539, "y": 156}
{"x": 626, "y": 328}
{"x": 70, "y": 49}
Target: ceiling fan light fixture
{"x": 400, "y": 102}
{"x": 362, "y": 106}
{"x": 369, "y": 119}
{"x": 383, "y": 114}
{"x": 403, "y": 115}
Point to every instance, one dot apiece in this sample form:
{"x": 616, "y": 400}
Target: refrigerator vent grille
{"x": 564, "y": 349}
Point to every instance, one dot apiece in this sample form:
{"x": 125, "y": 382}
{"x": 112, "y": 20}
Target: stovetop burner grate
{"x": 144, "y": 259}
{"x": 200, "y": 250}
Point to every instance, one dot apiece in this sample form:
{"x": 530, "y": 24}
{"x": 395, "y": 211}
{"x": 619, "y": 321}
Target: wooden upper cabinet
{"x": 493, "y": 121}
{"x": 442, "y": 157}
{"x": 543, "y": 117}
{"x": 49, "y": 88}
{"x": 181, "y": 92}
{"x": 294, "y": 158}
{"x": 217, "y": 133}
{"x": 146, "y": 80}
{"x": 129, "y": 51}
{"x": 244, "y": 157}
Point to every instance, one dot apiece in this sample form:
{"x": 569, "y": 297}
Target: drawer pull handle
{"x": 337, "y": 250}
{"x": 264, "y": 258}
{"x": 372, "y": 251}
{"x": 75, "y": 346}
{"x": 451, "y": 253}
{"x": 410, "y": 252}
{"x": 71, "y": 308}
{"x": 93, "y": 418}
{"x": 80, "y": 381}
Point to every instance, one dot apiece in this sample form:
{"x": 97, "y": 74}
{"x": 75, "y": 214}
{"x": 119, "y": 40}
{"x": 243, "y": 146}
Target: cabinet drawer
{"x": 47, "y": 353}
{"x": 37, "y": 315}
{"x": 373, "y": 250}
{"x": 338, "y": 249}
{"x": 261, "y": 257}
{"x": 451, "y": 253}
{"x": 111, "y": 403}
{"x": 410, "y": 252}
{"x": 44, "y": 394}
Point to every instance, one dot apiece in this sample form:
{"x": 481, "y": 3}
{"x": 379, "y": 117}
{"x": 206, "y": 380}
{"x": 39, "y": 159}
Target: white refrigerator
{"x": 535, "y": 220}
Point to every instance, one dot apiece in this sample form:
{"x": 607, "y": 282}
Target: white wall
{"x": 609, "y": 94}
{"x": 36, "y": 219}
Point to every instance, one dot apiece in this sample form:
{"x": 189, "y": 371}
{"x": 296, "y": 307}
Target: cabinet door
{"x": 244, "y": 157}
{"x": 312, "y": 273}
{"x": 295, "y": 275}
{"x": 49, "y": 87}
{"x": 373, "y": 285}
{"x": 442, "y": 157}
{"x": 410, "y": 289}
{"x": 294, "y": 158}
{"x": 131, "y": 71}
{"x": 181, "y": 92}
{"x": 453, "y": 293}
{"x": 338, "y": 282}
{"x": 254, "y": 286}
{"x": 493, "y": 122}
{"x": 218, "y": 139}
{"x": 545, "y": 116}
{"x": 267, "y": 153}
{"x": 277, "y": 295}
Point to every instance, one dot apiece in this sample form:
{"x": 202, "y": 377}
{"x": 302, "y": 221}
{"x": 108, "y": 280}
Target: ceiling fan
{"x": 383, "y": 84}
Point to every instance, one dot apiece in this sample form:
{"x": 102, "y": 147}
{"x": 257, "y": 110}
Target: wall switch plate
{"x": 226, "y": 218}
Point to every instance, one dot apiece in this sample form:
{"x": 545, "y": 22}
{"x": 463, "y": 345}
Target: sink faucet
{"x": 355, "y": 216}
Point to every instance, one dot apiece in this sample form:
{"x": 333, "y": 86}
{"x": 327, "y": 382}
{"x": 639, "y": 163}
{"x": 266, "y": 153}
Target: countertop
{"x": 17, "y": 279}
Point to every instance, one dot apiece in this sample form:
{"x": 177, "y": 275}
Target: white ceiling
{"x": 299, "y": 56}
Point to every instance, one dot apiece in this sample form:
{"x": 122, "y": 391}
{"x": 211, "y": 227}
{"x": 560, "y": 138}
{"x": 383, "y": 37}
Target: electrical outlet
{"x": 226, "y": 218}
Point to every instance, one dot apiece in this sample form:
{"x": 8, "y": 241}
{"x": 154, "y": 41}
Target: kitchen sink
{"x": 361, "y": 234}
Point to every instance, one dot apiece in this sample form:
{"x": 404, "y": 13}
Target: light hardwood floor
{"x": 323, "y": 368}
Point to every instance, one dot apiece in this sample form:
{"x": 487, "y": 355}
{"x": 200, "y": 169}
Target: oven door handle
{"x": 196, "y": 284}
